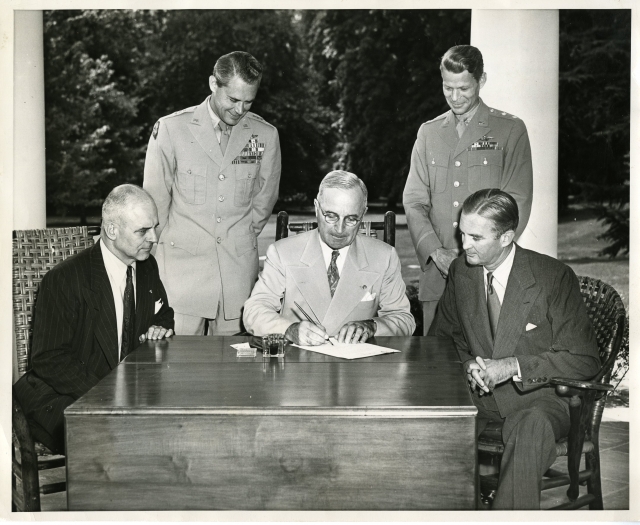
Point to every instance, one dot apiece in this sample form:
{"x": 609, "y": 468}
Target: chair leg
{"x": 574, "y": 449}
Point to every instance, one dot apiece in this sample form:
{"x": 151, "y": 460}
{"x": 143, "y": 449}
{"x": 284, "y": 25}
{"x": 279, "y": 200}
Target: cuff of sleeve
{"x": 519, "y": 376}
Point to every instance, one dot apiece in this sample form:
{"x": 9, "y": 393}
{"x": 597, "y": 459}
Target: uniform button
{"x": 456, "y": 184}
{"x": 218, "y": 219}
{"x": 221, "y": 198}
{"x": 503, "y": 113}
{"x": 219, "y": 240}
{"x": 188, "y": 171}
{"x": 221, "y": 176}
{"x": 456, "y": 204}
{"x": 457, "y": 163}
{"x": 455, "y": 224}
{"x": 172, "y": 244}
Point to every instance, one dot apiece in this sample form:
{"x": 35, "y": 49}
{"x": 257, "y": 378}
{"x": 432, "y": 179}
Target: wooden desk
{"x": 185, "y": 424}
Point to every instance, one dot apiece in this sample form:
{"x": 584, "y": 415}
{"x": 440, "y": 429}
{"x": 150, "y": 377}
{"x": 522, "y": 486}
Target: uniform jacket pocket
{"x": 192, "y": 183}
{"x": 485, "y": 169}
{"x": 438, "y": 167}
{"x": 245, "y": 179}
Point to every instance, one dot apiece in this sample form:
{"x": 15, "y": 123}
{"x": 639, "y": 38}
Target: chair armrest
{"x": 572, "y": 387}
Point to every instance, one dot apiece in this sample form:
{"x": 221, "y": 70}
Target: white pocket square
{"x": 368, "y": 297}
{"x": 530, "y": 326}
{"x": 157, "y": 306}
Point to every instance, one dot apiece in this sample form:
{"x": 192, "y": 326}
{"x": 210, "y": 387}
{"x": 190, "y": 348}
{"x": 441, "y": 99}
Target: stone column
{"x": 520, "y": 50}
{"x": 29, "y": 185}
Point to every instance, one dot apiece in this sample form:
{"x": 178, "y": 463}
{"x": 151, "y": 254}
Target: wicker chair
{"x": 35, "y": 252}
{"x": 586, "y": 404}
{"x": 388, "y": 227}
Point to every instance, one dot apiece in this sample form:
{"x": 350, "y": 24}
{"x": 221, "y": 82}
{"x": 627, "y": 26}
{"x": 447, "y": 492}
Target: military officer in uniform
{"x": 468, "y": 148}
{"x": 214, "y": 172}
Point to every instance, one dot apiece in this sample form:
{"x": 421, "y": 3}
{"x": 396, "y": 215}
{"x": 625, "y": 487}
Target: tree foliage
{"x": 595, "y": 58}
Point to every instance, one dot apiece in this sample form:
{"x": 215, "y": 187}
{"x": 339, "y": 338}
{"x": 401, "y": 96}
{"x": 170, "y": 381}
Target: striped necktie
{"x": 332, "y": 272}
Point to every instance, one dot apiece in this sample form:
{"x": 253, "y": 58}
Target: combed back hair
{"x": 463, "y": 58}
{"x": 240, "y": 64}
{"x": 495, "y": 205}
{"x": 342, "y": 180}
{"x": 120, "y": 198}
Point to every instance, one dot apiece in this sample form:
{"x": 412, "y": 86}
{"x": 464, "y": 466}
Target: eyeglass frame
{"x": 346, "y": 219}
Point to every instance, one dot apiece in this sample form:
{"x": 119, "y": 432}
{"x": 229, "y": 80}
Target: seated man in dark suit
{"x": 92, "y": 310}
{"x": 349, "y": 283}
{"x": 517, "y": 319}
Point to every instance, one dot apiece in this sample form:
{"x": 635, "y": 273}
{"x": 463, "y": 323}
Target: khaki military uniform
{"x": 493, "y": 152}
{"x": 211, "y": 207}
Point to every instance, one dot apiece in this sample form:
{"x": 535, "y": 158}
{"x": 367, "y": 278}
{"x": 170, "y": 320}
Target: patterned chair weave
{"x": 35, "y": 252}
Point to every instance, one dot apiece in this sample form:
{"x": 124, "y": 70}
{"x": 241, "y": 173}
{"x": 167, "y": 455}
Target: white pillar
{"x": 520, "y": 50}
{"x": 29, "y": 182}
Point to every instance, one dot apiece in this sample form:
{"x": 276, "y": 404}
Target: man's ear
{"x": 507, "y": 238}
{"x": 111, "y": 229}
{"x": 213, "y": 85}
{"x": 483, "y": 80}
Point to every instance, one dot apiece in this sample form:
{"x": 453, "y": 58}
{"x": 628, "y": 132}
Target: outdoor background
{"x": 346, "y": 89}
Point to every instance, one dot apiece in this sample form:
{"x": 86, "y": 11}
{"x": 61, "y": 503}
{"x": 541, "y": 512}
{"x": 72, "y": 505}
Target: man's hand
{"x": 443, "y": 259}
{"x": 475, "y": 370}
{"x": 156, "y": 332}
{"x": 495, "y": 371}
{"x": 357, "y": 331}
{"x": 306, "y": 333}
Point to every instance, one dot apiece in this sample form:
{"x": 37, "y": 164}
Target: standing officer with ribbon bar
{"x": 214, "y": 172}
{"x": 463, "y": 150}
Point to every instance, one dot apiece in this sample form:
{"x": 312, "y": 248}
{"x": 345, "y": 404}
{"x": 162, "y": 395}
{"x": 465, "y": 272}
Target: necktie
{"x": 493, "y": 305}
{"x": 224, "y": 136}
{"x": 461, "y": 126}
{"x": 128, "y": 317}
{"x": 332, "y": 272}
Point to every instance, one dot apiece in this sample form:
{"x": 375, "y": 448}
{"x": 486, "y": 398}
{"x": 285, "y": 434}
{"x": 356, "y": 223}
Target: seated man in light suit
{"x": 348, "y": 283}
{"x": 517, "y": 320}
{"x": 92, "y": 310}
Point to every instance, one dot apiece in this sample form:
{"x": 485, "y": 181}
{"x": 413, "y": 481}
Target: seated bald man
{"x": 349, "y": 284}
{"x": 92, "y": 310}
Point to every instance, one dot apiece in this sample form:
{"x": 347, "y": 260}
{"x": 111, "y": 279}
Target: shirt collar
{"x": 466, "y": 117}
{"x": 113, "y": 265}
{"x": 327, "y": 250}
{"x": 214, "y": 118}
{"x": 502, "y": 272}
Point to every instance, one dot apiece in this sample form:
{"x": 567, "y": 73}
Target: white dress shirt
{"x": 117, "y": 272}
{"x": 500, "y": 279}
{"x": 327, "y": 253}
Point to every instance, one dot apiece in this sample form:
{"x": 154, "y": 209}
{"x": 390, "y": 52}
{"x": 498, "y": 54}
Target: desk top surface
{"x": 203, "y": 375}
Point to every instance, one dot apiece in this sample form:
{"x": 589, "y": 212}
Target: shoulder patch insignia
{"x": 155, "y": 129}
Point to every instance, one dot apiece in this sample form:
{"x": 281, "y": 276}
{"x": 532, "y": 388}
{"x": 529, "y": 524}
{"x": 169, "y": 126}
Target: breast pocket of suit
{"x": 245, "y": 180}
{"x": 485, "y": 169}
{"x": 438, "y": 169}
{"x": 192, "y": 183}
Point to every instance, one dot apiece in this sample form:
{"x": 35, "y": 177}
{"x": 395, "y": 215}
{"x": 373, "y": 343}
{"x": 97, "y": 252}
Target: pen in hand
{"x": 310, "y": 319}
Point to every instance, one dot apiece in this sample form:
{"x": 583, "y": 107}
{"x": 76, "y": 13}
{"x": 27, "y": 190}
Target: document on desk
{"x": 349, "y": 351}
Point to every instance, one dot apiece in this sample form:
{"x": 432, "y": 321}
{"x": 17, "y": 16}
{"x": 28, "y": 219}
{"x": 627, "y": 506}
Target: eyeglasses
{"x": 332, "y": 218}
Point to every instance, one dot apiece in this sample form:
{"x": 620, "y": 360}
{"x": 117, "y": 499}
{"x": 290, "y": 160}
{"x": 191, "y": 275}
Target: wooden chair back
{"x": 369, "y": 228}
{"x": 35, "y": 252}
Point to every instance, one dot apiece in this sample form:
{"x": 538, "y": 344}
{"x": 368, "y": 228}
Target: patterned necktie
{"x": 493, "y": 305}
{"x": 128, "y": 317}
{"x": 332, "y": 272}
{"x": 225, "y": 131}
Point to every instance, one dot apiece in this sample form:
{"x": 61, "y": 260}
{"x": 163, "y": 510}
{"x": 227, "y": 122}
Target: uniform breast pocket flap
{"x": 192, "y": 183}
{"x": 485, "y": 169}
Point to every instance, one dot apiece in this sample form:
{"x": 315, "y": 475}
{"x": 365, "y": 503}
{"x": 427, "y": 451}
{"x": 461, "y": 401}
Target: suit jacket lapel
{"x": 201, "y": 127}
{"x": 311, "y": 277}
{"x": 447, "y": 131}
{"x": 474, "y": 301}
{"x": 519, "y": 297}
{"x": 240, "y": 135}
{"x": 354, "y": 283}
{"x": 477, "y": 128}
{"x": 100, "y": 299}
{"x": 144, "y": 297}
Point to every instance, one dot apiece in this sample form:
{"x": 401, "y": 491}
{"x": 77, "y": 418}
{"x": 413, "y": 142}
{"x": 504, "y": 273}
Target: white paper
{"x": 349, "y": 351}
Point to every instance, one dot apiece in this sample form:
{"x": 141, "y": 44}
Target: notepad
{"x": 349, "y": 351}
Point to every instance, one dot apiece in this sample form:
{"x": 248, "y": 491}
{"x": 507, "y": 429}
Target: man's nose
{"x": 455, "y": 95}
{"x": 152, "y": 236}
{"x": 239, "y": 108}
{"x": 340, "y": 226}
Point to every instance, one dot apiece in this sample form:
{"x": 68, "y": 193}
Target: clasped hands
{"x": 485, "y": 374}
{"x": 310, "y": 334}
{"x": 156, "y": 332}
